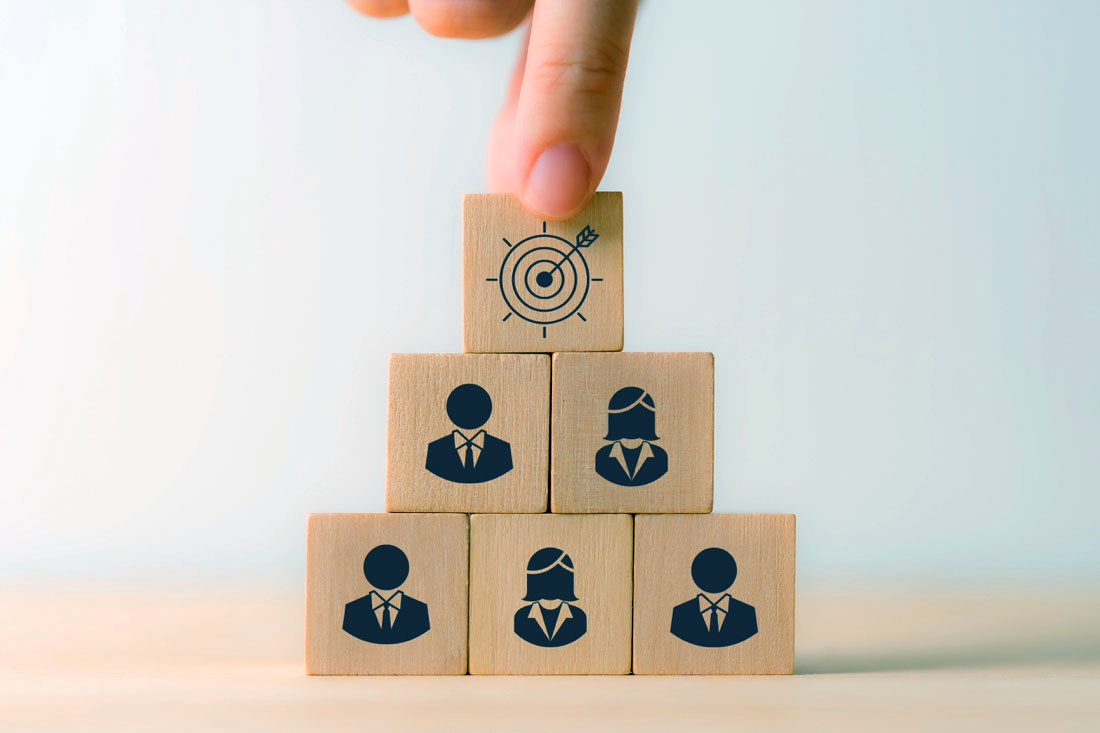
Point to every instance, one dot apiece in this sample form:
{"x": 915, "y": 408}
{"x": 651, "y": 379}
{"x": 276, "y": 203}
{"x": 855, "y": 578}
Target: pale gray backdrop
{"x": 218, "y": 218}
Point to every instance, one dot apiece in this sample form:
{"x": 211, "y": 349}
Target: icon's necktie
{"x": 468, "y": 459}
{"x": 713, "y": 609}
{"x": 387, "y": 622}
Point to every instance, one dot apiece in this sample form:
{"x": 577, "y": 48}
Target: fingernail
{"x": 558, "y": 181}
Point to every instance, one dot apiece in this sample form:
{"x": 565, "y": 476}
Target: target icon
{"x": 544, "y": 279}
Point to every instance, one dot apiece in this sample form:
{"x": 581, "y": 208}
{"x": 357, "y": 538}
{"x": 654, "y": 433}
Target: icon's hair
{"x": 630, "y": 414}
{"x": 628, "y": 398}
{"x": 538, "y": 562}
{"x": 550, "y": 576}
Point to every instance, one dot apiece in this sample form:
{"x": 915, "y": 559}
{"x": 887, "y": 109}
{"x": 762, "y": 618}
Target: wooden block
{"x": 531, "y": 285}
{"x": 550, "y": 594}
{"x": 355, "y": 562}
{"x": 744, "y": 563}
{"x": 632, "y": 433}
{"x": 497, "y": 406}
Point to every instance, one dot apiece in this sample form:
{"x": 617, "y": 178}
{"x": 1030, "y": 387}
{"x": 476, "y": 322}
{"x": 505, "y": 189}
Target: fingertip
{"x": 380, "y": 8}
{"x": 559, "y": 183}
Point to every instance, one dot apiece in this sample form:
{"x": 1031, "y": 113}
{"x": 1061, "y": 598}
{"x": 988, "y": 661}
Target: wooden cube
{"x": 550, "y": 594}
{"x": 387, "y": 593}
{"x": 632, "y": 432}
{"x": 714, "y": 594}
{"x": 468, "y": 433}
{"x": 533, "y": 285}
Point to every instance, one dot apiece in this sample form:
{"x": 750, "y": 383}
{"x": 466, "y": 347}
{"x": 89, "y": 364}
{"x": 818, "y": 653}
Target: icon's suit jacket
{"x": 571, "y": 625}
{"x": 688, "y": 624}
{"x": 494, "y": 461}
{"x": 652, "y": 464}
{"x": 411, "y": 621}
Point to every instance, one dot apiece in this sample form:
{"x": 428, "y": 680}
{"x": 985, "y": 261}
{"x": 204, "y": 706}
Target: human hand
{"x": 551, "y": 141}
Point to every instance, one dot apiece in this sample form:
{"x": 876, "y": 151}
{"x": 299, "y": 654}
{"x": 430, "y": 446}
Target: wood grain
{"x": 600, "y": 548}
{"x": 419, "y": 384}
{"x": 762, "y": 546}
{"x": 682, "y": 388}
{"x": 437, "y": 549}
{"x": 491, "y": 225}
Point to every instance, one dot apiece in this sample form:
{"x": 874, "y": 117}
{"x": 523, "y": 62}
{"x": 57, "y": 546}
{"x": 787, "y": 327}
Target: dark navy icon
{"x": 718, "y": 621}
{"x": 469, "y": 457}
{"x": 544, "y": 279}
{"x": 631, "y": 459}
{"x": 550, "y": 619}
{"x": 381, "y": 617}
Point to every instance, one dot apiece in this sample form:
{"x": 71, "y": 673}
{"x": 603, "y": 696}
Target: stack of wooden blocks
{"x": 628, "y": 571}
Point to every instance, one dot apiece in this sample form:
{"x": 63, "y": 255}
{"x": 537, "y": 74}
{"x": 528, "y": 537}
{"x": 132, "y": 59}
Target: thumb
{"x": 568, "y": 103}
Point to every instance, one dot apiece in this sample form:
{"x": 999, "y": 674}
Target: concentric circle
{"x": 544, "y": 279}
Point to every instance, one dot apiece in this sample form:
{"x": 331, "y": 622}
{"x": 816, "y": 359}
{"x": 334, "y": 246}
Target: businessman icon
{"x": 469, "y": 455}
{"x": 381, "y": 617}
{"x": 717, "y": 619}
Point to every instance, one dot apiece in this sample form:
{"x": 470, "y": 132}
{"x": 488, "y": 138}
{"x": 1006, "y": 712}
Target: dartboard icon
{"x": 544, "y": 279}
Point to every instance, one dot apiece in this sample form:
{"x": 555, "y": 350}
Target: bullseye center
{"x": 544, "y": 279}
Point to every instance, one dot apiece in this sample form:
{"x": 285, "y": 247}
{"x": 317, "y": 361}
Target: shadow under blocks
{"x": 548, "y": 496}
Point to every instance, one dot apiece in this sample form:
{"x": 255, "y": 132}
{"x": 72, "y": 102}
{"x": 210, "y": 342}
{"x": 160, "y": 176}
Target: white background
{"x": 218, "y": 218}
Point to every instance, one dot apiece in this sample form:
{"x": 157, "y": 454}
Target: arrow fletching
{"x": 587, "y": 237}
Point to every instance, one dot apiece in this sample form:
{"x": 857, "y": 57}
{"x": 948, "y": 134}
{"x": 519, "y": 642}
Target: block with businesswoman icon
{"x": 550, "y": 594}
{"x": 468, "y": 433}
{"x": 387, "y": 594}
{"x": 714, "y": 594}
{"x": 632, "y": 432}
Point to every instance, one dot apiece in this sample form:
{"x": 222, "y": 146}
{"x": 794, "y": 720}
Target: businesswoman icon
{"x": 550, "y": 619}
{"x": 631, "y": 459}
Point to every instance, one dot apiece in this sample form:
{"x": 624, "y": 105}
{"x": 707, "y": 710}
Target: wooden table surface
{"x": 866, "y": 660}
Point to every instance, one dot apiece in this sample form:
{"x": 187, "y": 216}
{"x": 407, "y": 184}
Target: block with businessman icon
{"x": 386, "y": 594}
{"x": 468, "y": 433}
{"x": 714, "y": 594}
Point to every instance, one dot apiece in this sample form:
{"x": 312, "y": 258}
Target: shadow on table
{"x": 989, "y": 653}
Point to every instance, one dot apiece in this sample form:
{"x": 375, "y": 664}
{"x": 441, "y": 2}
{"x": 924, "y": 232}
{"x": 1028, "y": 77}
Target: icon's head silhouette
{"x": 550, "y": 576}
{"x": 713, "y": 570}
{"x": 386, "y": 567}
{"x": 469, "y": 406}
{"x": 630, "y": 415}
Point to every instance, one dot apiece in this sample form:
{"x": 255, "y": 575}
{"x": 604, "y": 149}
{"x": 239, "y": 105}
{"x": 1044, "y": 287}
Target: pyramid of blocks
{"x": 548, "y": 495}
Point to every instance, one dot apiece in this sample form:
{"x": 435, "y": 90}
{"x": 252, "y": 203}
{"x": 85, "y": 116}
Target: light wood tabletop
{"x": 124, "y": 660}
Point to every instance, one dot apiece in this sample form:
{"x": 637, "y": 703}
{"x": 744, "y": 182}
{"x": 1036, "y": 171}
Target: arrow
{"x": 585, "y": 239}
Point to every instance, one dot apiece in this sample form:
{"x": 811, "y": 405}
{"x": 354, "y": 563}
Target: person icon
{"x": 550, "y": 619}
{"x": 380, "y": 618}
{"x": 717, "y": 622}
{"x": 469, "y": 458}
{"x": 631, "y": 459}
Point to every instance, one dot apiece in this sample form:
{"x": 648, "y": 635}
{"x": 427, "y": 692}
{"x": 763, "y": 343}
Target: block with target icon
{"x": 538, "y": 286}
